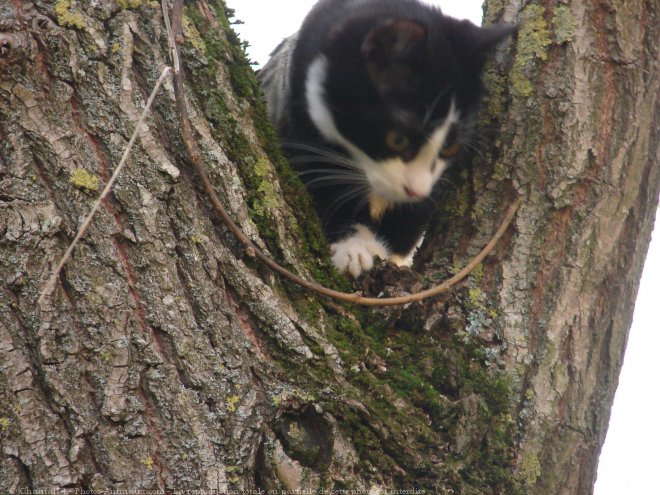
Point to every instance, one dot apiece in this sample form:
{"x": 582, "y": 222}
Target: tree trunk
{"x": 169, "y": 359}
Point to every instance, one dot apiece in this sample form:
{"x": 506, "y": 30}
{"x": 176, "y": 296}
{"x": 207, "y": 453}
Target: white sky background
{"x": 265, "y": 25}
{"x": 630, "y": 460}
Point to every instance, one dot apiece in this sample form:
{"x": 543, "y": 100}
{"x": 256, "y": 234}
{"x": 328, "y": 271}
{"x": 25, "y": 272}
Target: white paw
{"x": 355, "y": 254}
{"x": 401, "y": 261}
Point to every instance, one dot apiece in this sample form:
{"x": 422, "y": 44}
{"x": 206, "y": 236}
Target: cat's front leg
{"x": 355, "y": 254}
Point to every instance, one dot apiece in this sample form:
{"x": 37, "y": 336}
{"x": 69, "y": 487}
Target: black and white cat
{"x": 372, "y": 98}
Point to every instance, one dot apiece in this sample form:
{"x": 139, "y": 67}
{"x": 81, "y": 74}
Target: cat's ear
{"x": 474, "y": 43}
{"x": 392, "y": 52}
{"x": 393, "y": 41}
{"x": 487, "y": 38}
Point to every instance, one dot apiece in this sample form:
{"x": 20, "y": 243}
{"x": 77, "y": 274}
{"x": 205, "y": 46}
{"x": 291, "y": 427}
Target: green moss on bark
{"x": 82, "y": 179}
{"x": 533, "y": 41}
{"x": 225, "y": 48}
{"x": 563, "y": 24}
{"x": 68, "y": 15}
{"x": 415, "y": 385}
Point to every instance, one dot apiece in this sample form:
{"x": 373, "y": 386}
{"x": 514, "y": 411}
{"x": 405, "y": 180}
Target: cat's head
{"x": 397, "y": 93}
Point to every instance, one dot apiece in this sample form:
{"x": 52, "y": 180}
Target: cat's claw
{"x": 352, "y": 258}
{"x": 355, "y": 254}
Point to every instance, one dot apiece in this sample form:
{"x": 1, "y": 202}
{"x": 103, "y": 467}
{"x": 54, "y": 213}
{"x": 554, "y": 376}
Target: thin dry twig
{"x": 176, "y": 32}
{"x": 50, "y": 285}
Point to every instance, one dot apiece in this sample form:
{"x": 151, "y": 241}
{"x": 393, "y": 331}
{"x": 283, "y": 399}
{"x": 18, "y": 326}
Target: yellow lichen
{"x": 4, "y": 424}
{"x": 564, "y": 24}
{"x": 130, "y": 4}
{"x": 268, "y": 198}
{"x": 149, "y": 462}
{"x": 493, "y": 11}
{"x": 295, "y": 393}
{"x": 478, "y": 272}
{"x": 533, "y": 41}
{"x": 231, "y": 403}
{"x": 495, "y": 99}
{"x": 463, "y": 201}
{"x": 476, "y": 297}
{"x": 68, "y": 16}
{"x": 106, "y": 356}
{"x": 530, "y": 470}
{"x": 82, "y": 179}
{"x": 192, "y": 34}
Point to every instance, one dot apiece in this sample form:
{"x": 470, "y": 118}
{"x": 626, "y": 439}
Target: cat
{"x": 373, "y": 99}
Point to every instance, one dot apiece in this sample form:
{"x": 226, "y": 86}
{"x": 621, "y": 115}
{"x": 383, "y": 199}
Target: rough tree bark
{"x": 168, "y": 360}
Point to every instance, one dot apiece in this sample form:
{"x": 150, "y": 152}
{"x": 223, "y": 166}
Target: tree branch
{"x": 50, "y": 285}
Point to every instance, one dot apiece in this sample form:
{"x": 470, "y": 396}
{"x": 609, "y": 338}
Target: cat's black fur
{"x": 390, "y": 68}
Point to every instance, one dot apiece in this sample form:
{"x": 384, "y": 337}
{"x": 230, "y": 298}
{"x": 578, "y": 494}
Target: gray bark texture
{"x": 167, "y": 359}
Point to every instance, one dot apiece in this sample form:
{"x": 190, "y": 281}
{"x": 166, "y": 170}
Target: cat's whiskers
{"x": 445, "y": 180}
{"x": 431, "y": 108}
{"x": 362, "y": 203}
{"x": 332, "y": 171}
{"x": 473, "y": 149}
{"x": 432, "y": 199}
{"x": 321, "y": 152}
{"x": 356, "y": 192}
{"x": 305, "y": 159}
{"x": 334, "y": 181}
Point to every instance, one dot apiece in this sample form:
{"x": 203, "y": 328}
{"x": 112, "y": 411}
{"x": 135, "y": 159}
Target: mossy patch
{"x": 148, "y": 462}
{"x": 413, "y": 383}
{"x": 105, "y": 355}
{"x": 533, "y": 40}
{"x": 83, "y": 180}
{"x": 68, "y": 15}
{"x": 461, "y": 202}
{"x": 130, "y": 4}
{"x": 231, "y": 401}
{"x": 268, "y": 198}
{"x": 477, "y": 299}
{"x": 564, "y": 24}
{"x": 192, "y": 34}
{"x": 530, "y": 469}
{"x": 135, "y": 4}
{"x": 495, "y": 99}
{"x": 493, "y": 10}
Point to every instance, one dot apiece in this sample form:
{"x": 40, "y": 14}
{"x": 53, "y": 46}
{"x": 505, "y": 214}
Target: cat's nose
{"x": 412, "y": 193}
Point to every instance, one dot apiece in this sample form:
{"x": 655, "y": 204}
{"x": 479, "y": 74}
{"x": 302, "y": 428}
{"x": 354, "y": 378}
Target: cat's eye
{"x": 450, "y": 150}
{"x": 397, "y": 141}
{"x": 452, "y": 146}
